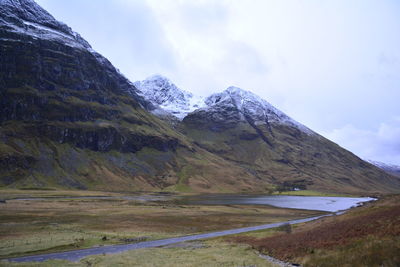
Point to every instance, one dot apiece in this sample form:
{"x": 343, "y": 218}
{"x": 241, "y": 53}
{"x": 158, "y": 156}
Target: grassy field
{"x": 364, "y": 236}
{"x": 206, "y": 253}
{"x": 48, "y": 225}
{"x": 30, "y": 192}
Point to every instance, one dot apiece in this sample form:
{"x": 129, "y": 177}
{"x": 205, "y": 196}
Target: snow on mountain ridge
{"x": 27, "y": 17}
{"x": 249, "y": 104}
{"x": 162, "y": 92}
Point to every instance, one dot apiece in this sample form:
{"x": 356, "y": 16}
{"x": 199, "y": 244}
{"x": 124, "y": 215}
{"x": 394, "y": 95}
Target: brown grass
{"x": 376, "y": 224}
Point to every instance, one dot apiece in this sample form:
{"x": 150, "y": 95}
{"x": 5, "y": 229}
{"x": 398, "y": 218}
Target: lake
{"x": 329, "y": 204}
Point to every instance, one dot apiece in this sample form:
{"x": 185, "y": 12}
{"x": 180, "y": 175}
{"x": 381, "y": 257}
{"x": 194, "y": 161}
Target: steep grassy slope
{"x": 52, "y": 136}
{"x": 285, "y": 156}
{"x": 68, "y": 118}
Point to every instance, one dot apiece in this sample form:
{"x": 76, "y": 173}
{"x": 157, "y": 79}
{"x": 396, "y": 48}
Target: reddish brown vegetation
{"x": 332, "y": 232}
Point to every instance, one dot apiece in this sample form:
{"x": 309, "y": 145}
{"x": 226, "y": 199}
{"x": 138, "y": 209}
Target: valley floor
{"x": 46, "y": 224}
{"x": 364, "y": 236}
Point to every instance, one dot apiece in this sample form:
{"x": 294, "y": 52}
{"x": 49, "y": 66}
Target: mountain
{"x": 389, "y": 168}
{"x": 246, "y": 130}
{"x": 63, "y": 105}
{"x": 244, "y": 106}
{"x": 70, "y": 119}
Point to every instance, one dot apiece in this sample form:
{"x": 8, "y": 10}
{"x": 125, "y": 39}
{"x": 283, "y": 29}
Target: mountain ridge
{"x": 162, "y": 92}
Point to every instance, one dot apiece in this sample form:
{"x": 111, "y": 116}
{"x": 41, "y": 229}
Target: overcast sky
{"x": 332, "y": 65}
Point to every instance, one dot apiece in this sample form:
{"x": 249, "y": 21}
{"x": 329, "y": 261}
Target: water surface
{"x": 329, "y": 204}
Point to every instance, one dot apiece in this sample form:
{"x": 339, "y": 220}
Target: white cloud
{"x": 382, "y": 144}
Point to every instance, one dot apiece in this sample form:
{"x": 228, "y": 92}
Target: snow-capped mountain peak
{"x": 253, "y": 106}
{"x": 162, "y": 92}
{"x": 27, "y": 17}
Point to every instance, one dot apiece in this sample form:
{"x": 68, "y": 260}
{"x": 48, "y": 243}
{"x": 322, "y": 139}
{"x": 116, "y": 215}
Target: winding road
{"x": 76, "y": 255}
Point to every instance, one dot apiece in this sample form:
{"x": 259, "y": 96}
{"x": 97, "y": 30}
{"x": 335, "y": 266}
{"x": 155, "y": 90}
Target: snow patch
{"x": 38, "y": 31}
{"x": 48, "y": 30}
{"x": 162, "y": 92}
